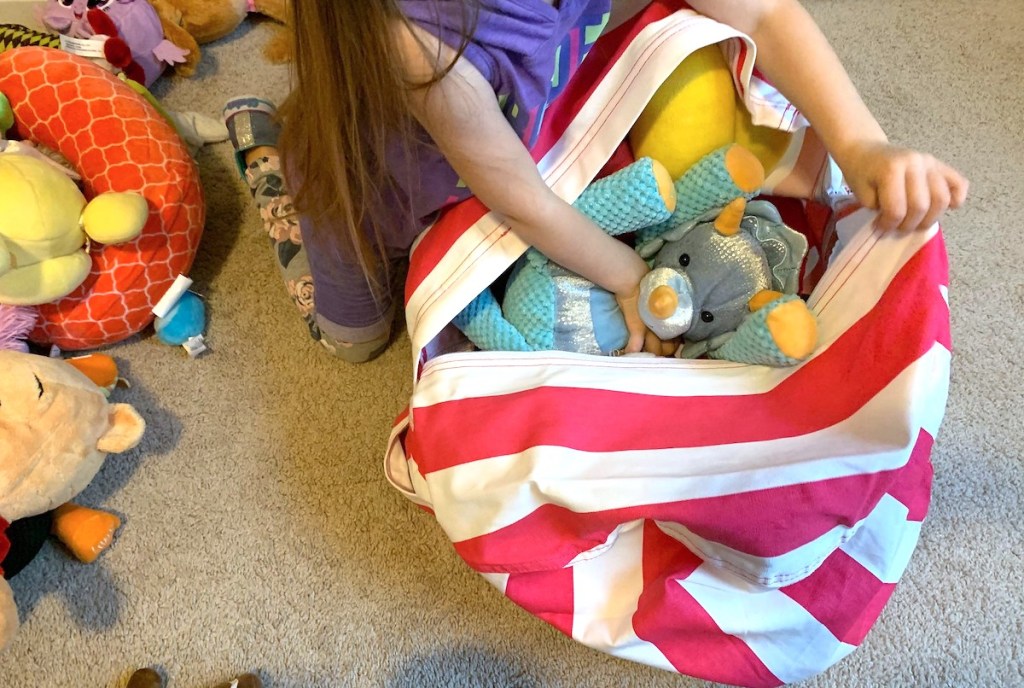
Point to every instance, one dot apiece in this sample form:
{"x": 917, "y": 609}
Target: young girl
{"x": 402, "y": 107}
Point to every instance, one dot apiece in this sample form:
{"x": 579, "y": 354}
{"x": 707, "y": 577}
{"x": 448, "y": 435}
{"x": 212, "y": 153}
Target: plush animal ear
{"x": 784, "y": 248}
{"x": 126, "y": 428}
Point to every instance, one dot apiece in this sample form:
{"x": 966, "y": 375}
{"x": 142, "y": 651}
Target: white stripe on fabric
{"x": 792, "y": 644}
{"x": 771, "y": 572}
{"x": 885, "y": 540}
{"x": 489, "y": 494}
{"x": 606, "y": 591}
{"x": 498, "y": 580}
{"x": 767, "y": 107}
{"x": 483, "y": 374}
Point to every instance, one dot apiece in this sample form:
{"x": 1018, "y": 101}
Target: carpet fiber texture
{"x": 260, "y": 534}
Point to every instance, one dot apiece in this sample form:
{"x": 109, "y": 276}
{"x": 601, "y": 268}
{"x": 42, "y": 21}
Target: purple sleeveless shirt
{"x": 528, "y": 50}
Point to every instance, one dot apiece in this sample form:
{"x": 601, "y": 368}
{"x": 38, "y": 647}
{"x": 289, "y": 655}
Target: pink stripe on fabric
{"x": 762, "y": 523}
{"x": 843, "y": 595}
{"x": 913, "y": 488}
{"x": 545, "y": 594}
{"x": 861, "y": 363}
{"x": 669, "y": 618}
{"x": 439, "y": 240}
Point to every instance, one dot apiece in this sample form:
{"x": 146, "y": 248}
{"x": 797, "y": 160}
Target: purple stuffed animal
{"x": 137, "y": 24}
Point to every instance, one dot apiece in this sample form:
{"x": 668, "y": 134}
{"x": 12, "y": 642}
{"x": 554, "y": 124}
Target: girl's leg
{"x": 254, "y": 135}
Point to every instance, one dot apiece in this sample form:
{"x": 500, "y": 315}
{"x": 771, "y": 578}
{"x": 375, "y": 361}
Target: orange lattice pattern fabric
{"x": 118, "y": 142}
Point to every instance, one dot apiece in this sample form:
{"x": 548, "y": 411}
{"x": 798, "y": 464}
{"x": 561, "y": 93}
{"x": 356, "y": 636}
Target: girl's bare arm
{"x": 910, "y": 189}
{"x": 462, "y": 116}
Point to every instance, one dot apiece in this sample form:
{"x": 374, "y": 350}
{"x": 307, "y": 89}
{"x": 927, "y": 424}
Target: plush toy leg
{"x": 483, "y": 323}
{"x": 781, "y": 332}
{"x": 729, "y": 173}
{"x": 85, "y": 532}
{"x": 636, "y": 196}
{"x": 99, "y": 368}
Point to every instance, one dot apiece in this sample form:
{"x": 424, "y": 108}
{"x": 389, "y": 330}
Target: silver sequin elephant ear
{"x": 784, "y": 247}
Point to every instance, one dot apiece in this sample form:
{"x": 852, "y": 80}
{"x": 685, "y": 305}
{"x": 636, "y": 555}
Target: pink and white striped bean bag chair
{"x": 735, "y": 523}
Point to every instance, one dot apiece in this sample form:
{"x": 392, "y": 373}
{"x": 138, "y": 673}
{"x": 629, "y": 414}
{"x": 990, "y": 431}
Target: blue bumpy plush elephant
{"x": 723, "y": 273}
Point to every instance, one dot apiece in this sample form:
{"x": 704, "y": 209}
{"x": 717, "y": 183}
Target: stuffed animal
{"x": 45, "y": 226}
{"x": 727, "y": 273}
{"x": 726, "y": 282}
{"x": 153, "y": 41}
{"x": 210, "y": 20}
{"x": 56, "y": 429}
{"x": 697, "y": 110}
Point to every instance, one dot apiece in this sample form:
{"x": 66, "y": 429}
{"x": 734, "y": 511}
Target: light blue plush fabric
{"x": 753, "y": 343}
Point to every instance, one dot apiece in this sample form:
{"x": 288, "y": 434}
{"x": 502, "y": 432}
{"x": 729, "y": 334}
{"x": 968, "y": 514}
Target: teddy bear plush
{"x": 720, "y": 272}
{"x": 56, "y": 429}
{"x": 210, "y": 20}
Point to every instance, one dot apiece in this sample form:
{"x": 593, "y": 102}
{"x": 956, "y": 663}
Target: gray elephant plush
{"x": 723, "y": 278}
{"x": 726, "y": 283}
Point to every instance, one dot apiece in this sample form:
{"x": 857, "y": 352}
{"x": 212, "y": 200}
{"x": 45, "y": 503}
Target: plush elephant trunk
{"x": 666, "y": 302}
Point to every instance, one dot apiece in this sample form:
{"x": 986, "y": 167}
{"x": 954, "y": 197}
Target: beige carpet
{"x": 260, "y": 533}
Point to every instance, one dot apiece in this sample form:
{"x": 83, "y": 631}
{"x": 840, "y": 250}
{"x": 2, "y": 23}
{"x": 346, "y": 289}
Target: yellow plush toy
{"x": 45, "y": 226}
{"x": 56, "y": 429}
{"x": 697, "y": 111}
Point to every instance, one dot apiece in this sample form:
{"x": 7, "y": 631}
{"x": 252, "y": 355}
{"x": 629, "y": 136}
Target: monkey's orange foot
{"x": 85, "y": 532}
{"x": 745, "y": 169}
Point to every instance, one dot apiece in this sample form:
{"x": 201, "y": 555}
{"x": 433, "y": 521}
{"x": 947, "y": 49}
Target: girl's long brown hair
{"x": 349, "y": 104}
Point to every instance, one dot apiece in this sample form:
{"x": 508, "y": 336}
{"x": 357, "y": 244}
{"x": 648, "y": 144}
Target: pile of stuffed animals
{"x": 144, "y": 37}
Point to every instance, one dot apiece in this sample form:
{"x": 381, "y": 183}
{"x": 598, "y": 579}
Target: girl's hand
{"x": 638, "y": 332}
{"x": 910, "y": 190}
{"x": 640, "y": 338}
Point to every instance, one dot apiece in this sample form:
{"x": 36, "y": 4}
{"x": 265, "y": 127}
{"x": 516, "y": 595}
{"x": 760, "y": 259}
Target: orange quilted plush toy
{"x": 117, "y": 142}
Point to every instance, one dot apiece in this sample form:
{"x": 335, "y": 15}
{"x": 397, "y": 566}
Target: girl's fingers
{"x": 652, "y": 344}
{"x": 918, "y": 195}
{"x": 958, "y": 186}
{"x": 940, "y": 191}
{"x": 892, "y": 201}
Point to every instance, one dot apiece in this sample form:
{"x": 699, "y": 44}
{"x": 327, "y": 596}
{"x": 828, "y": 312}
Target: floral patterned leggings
{"x": 282, "y": 225}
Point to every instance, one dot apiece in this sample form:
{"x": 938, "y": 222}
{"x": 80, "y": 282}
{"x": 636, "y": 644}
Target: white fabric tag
{"x": 83, "y": 47}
